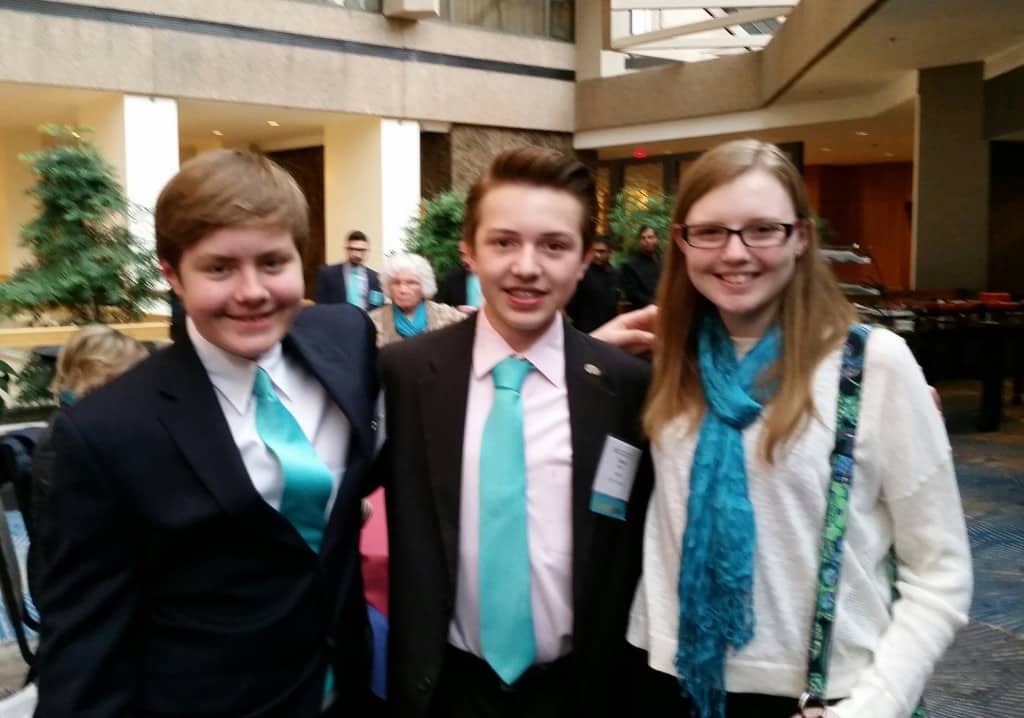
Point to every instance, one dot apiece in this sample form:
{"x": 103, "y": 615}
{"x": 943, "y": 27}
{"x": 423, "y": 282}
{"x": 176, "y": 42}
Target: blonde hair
{"x": 814, "y": 315}
{"x": 93, "y": 356}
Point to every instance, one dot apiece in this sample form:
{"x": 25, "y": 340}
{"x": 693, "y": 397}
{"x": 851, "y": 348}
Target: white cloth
{"x": 904, "y": 494}
{"x": 548, "y": 438}
{"x": 321, "y": 420}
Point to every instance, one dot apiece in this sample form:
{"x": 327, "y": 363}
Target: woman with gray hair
{"x": 408, "y": 281}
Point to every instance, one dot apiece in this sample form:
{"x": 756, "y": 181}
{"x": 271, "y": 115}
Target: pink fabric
{"x": 373, "y": 545}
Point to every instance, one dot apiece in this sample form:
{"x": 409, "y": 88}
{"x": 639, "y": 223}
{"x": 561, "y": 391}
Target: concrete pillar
{"x": 951, "y": 180}
{"x": 139, "y": 137}
{"x": 371, "y": 183}
{"x": 594, "y": 31}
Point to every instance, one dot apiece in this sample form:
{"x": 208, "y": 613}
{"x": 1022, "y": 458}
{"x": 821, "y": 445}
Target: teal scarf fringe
{"x": 716, "y": 577}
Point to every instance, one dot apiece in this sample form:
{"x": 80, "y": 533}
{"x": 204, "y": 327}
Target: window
{"x": 542, "y": 18}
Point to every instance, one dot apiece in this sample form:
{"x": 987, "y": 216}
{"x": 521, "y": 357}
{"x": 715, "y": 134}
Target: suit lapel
{"x": 192, "y": 416}
{"x": 328, "y": 359}
{"x": 443, "y": 392}
{"x": 591, "y": 411}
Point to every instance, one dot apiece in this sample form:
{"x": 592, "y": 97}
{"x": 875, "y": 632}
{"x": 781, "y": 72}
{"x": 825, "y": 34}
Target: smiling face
{"x": 241, "y": 286}
{"x": 745, "y": 284}
{"x": 528, "y": 253}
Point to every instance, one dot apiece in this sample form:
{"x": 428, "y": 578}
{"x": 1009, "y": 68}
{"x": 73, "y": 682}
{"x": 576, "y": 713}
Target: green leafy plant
{"x": 34, "y": 380}
{"x": 435, "y": 234}
{"x": 85, "y": 260}
{"x": 633, "y": 210}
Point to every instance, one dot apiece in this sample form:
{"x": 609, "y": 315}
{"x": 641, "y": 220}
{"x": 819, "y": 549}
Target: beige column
{"x": 371, "y": 183}
{"x": 951, "y": 180}
{"x": 16, "y": 207}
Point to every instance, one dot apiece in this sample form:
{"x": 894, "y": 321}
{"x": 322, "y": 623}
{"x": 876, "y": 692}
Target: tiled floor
{"x": 983, "y": 673}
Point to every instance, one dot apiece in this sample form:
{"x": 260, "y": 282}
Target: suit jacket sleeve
{"x": 329, "y": 289}
{"x": 87, "y": 662}
{"x": 633, "y": 288}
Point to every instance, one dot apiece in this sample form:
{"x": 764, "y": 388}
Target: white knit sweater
{"x": 904, "y": 494}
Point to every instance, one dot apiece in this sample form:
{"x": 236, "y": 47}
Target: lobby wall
{"x": 868, "y": 205}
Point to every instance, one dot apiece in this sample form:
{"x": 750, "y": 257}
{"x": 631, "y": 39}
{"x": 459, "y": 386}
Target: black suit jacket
{"x": 175, "y": 589}
{"x": 452, "y": 289}
{"x": 330, "y": 284}
{"x": 426, "y": 383}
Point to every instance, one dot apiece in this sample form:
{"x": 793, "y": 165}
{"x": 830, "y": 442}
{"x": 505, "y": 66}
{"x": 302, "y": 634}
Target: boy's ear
{"x": 588, "y": 257}
{"x": 469, "y": 256}
{"x": 171, "y": 275}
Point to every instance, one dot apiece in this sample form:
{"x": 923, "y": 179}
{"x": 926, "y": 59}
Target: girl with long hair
{"x": 797, "y": 559}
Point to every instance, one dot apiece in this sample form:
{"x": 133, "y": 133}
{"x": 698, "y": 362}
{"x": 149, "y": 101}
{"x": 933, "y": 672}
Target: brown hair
{"x": 93, "y": 356}
{"x": 814, "y": 314}
{"x": 225, "y": 188}
{"x": 538, "y": 167}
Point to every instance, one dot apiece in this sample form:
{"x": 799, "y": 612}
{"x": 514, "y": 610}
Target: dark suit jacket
{"x": 639, "y": 277}
{"x": 426, "y": 383}
{"x": 175, "y": 589}
{"x": 330, "y": 284}
{"x": 596, "y": 300}
{"x": 452, "y": 289}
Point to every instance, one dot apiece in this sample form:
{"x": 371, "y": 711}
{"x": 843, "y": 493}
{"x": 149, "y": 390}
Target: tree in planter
{"x": 85, "y": 260}
{"x": 633, "y": 210}
{"x": 435, "y": 234}
{"x": 6, "y": 372}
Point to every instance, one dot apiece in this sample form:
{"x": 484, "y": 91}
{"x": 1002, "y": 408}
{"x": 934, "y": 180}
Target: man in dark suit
{"x": 460, "y": 288}
{"x": 596, "y": 300}
{"x": 207, "y": 503}
{"x": 640, "y": 274}
{"x": 517, "y": 608}
{"x": 352, "y": 281}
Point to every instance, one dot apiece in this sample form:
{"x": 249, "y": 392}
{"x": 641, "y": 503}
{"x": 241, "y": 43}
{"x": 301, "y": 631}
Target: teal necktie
{"x": 506, "y": 617}
{"x": 307, "y": 480}
{"x": 354, "y": 286}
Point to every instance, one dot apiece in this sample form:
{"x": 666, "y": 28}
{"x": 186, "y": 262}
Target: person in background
{"x": 515, "y": 471}
{"x": 460, "y": 288}
{"x": 639, "y": 275}
{"x": 408, "y": 282}
{"x": 596, "y": 300}
{"x": 91, "y": 357}
{"x": 805, "y": 502}
{"x": 350, "y": 281}
{"x": 206, "y": 504}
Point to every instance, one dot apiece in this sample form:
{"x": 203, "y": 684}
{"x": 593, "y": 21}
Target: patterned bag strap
{"x": 851, "y": 376}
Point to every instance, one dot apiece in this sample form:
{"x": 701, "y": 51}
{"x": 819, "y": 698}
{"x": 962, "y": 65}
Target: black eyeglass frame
{"x": 788, "y": 226}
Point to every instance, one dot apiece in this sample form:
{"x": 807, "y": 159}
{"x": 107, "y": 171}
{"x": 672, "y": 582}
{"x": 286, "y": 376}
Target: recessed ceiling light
{"x": 889, "y": 154}
{"x": 218, "y": 133}
{"x": 861, "y": 133}
{"x": 826, "y": 149}
{"x": 273, "y": 123}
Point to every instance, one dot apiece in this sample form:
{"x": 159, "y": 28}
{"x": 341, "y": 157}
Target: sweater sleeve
{"x": 904, "y": 442}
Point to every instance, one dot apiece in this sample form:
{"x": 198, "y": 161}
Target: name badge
{"x": 613, "y": 483}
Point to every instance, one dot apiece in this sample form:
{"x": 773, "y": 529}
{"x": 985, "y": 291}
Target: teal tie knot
{"x": 262, "y": 387}
{"x": 510, "y": 373}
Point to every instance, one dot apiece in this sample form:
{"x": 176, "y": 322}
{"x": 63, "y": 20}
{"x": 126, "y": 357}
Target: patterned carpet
{"x": 983, "y": 673}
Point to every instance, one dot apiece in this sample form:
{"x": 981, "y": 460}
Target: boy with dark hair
{"x": 517, "y": 472}
{"x": 207, "y": 503}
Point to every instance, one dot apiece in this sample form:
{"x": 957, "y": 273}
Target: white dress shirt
{"x": 548, "y": 437}
{"x": 318, "y": 416}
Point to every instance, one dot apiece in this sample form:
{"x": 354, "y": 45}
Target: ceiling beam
{"x": 697, "y": 4}
{"x": 739, "y": 18}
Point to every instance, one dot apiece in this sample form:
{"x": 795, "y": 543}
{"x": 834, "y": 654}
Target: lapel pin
{"x": 592, "y": 370}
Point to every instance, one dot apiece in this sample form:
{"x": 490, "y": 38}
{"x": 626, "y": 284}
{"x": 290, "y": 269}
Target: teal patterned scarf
{"x": 716, "y": 578}
{"x": 410, "y": 327}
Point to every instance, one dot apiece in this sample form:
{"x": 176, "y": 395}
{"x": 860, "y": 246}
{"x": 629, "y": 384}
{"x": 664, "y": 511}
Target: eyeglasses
{"x": 759, "y": 235}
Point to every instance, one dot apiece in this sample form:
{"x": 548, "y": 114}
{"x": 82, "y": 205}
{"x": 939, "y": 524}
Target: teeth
{"x": 736, "y": 278}
{"x": 524, "y": 293}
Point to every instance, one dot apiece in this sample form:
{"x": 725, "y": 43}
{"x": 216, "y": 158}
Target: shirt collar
{"x": 233, "y": 376}
{"x": 547, "y": 354}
